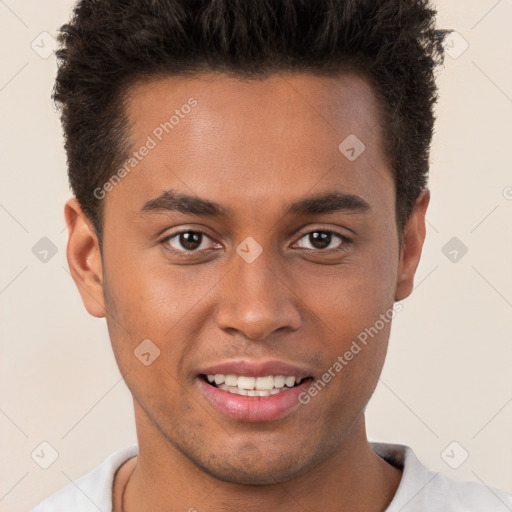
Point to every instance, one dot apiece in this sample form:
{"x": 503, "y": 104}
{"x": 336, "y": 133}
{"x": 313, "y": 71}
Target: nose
{"x": 256, "y": 300}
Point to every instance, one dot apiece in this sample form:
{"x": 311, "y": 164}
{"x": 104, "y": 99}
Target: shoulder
{"x": 421, "y": 490}
{"x": 92, "y": 491}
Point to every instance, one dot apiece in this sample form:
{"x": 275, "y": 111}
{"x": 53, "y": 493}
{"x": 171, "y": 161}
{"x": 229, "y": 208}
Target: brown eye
{"x": 321, "y": 240}
{"x": 187, "y": 241}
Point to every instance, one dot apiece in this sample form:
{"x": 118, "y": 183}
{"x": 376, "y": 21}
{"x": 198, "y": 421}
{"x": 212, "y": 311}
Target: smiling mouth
{"x": 253, "y": 386}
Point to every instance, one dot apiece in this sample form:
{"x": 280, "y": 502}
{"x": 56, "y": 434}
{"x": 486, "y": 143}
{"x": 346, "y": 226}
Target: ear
{"x": 413, "y": 238}
{"x": 84, "y": 258}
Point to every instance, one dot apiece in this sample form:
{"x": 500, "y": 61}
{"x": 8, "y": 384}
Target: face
{"x": 250, "y": 248}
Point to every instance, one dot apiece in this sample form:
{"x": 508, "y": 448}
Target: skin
{"x": 254, "y": 147}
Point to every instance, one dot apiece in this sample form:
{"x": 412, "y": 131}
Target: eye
{"x": 188, "y": 241}
{"x": 322, "y": 240}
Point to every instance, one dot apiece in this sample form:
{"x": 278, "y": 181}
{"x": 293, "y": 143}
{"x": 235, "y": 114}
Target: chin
{"x": 260, "y": 472}
{"x": 256, "y": 463}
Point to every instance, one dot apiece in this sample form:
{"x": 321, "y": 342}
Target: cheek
{"x": 158, "y": 303}
{"x": 351, "y": 296}
{"x": 153, "y": 296}
{"x": 355, "y": 306}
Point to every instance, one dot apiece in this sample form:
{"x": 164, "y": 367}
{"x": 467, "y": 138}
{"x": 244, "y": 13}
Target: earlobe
{"x": 413, "y": 238}
{"x": 84, "y": 258}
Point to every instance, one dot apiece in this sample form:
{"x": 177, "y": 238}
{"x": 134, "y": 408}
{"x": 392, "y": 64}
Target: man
{"x": 250, "y": 194}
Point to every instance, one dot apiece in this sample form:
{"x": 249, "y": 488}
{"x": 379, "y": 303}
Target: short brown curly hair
{"x": 108, "y": 45}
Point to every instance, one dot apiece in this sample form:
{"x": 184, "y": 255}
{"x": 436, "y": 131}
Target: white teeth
{"x": 253, "y": 386}
{"x": 265, "y": 382}
{"x": 231, "y": 380}
{"x": 246, "y": 382}
{"x": 290, "y": 381}
{"x": 279, "y": 381}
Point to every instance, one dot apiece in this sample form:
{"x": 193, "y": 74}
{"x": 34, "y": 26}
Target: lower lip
{"x": 254, "y": 408}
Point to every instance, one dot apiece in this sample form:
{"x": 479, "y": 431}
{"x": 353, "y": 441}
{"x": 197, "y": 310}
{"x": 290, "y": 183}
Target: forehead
{"x": 290, "y": 105}
{"x": 217, "y": 136}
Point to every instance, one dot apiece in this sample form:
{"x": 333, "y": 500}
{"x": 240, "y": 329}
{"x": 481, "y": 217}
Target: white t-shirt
{"x": 420, "y": 490}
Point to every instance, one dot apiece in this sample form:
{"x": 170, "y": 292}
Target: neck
{"x": 161, "y": 479}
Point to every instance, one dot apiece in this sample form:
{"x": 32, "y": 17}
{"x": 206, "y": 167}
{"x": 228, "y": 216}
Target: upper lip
{"x": 256, "y": 369}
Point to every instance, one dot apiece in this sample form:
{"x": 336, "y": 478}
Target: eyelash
{"x": 345, "y": 241}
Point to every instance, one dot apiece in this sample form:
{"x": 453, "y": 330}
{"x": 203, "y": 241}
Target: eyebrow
{"x": 170, "y": 200}
{"x": 328, "y": 202}
{"x": 320, "y": 203}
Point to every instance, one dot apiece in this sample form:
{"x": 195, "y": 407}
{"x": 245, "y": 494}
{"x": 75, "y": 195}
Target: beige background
{"x": 447, "y": 377}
